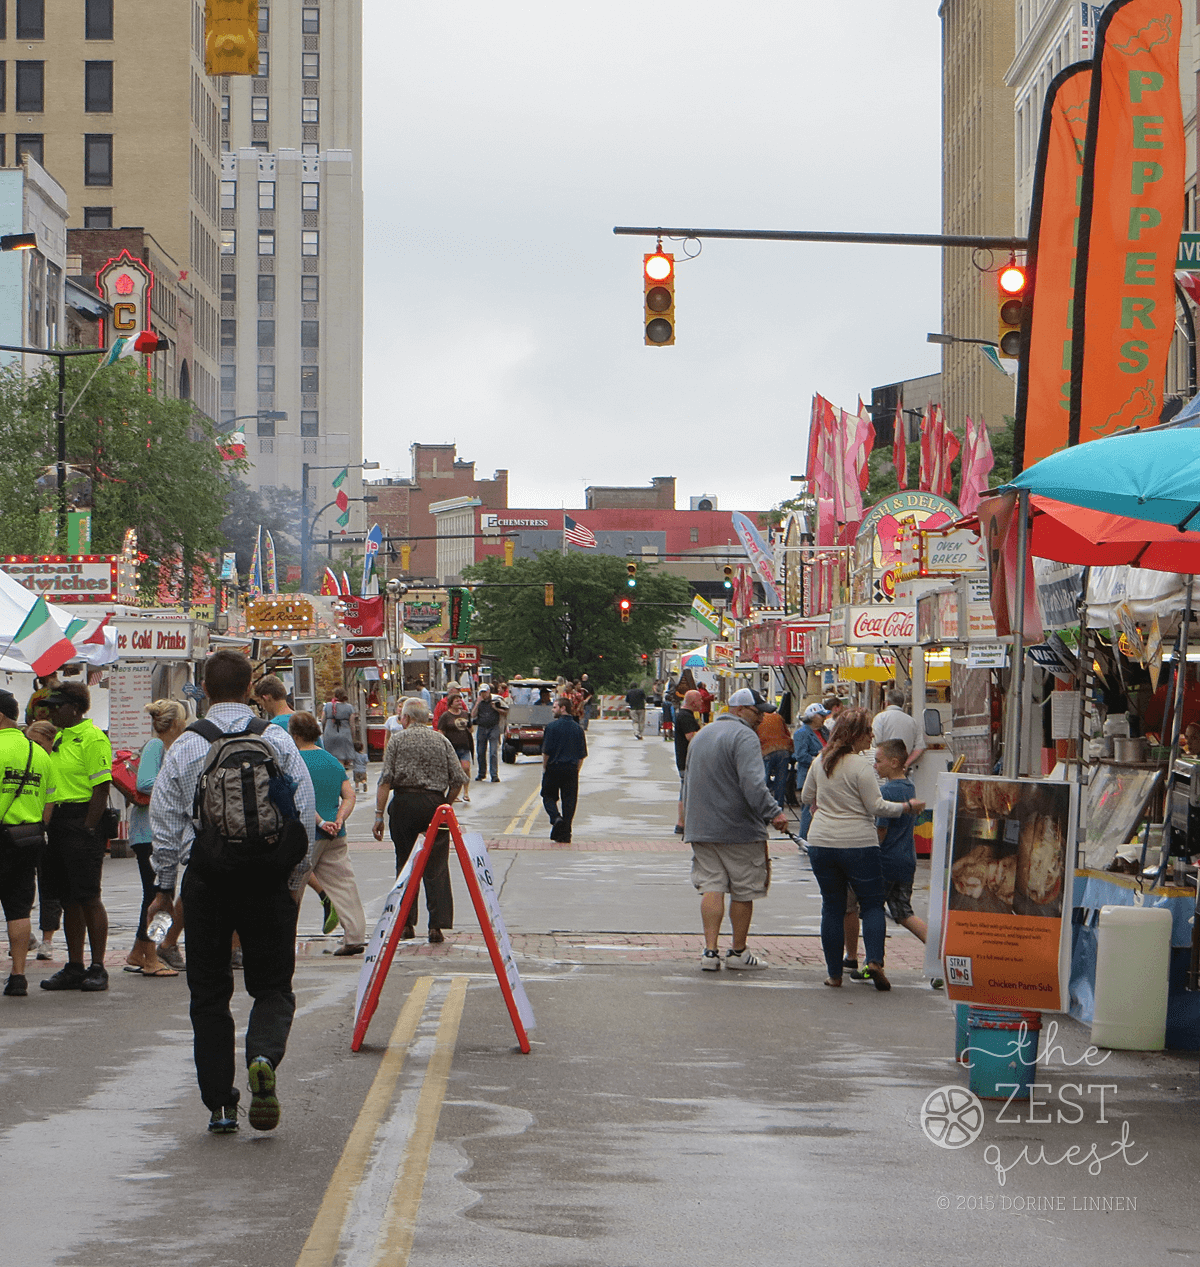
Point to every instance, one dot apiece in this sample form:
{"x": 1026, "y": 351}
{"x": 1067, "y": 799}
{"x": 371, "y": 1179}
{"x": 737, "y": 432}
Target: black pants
{"x": 560, "y": 781}
{"x": 142, "y": 851}
{"x": 265, "y": 920}
{"x": 410, "y": 813}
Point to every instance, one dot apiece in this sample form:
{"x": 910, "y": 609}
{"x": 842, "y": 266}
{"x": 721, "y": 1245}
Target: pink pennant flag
{"x": 950, "y": 449}
{"x": 900, "y": 449}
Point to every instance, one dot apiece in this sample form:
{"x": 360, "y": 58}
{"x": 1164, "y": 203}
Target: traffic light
{"x": 631, "y": 569}
{"x": 658, "y": 274}
{"x": 1014, "y": 302}
{"x": 625, "y": 606}
{"x": 548, "y": 599}
{"x": 231, "y": 37}
{"x": 508, "y": 552}
{"x": 405, "y": 558}
{"x": 728, "y": 577}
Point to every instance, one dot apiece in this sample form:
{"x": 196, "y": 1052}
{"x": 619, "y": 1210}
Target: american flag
{"x": 577, "y": 534}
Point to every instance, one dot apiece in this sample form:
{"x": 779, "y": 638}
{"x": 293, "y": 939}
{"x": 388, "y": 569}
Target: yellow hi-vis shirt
{"x": 25, "y": 806}
{"x": 82, "y": 760}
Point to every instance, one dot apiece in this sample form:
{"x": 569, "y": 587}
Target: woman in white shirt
{"x": 843, "y": 845}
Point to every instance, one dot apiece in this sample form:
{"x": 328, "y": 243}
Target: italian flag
{"x": 41, "y": 642}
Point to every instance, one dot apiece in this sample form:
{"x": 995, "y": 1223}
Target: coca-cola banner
{"x": 881, "y": 625}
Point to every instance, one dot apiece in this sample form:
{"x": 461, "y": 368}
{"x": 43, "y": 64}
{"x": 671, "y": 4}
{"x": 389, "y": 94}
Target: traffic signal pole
{"x": 806, "y": 235}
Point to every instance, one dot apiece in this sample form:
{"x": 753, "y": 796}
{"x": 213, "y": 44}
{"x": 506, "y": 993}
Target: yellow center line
{"x": 321, "y": 1248}
{"x": 516, "y": 818}
{"x": 533, "y": 813}
{"x": 400, "y": 1222}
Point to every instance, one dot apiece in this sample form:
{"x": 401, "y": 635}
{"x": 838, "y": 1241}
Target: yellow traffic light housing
{"x": 658, "y": 317}
{"x": 631, "y": 572}
{"x": 405, "y": 558}
{"x": 625, "y": 606}
{"x": 508, "y": 552}
{"x": 1013, "y": 300}
{"x": 548, "y": 599}
{"x": 728, "y": 577}
{"x": 231, "y": 37}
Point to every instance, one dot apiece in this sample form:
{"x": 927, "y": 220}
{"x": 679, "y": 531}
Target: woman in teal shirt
{"x": 332, "y": 870}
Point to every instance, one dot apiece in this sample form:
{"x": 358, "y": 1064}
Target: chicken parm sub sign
{"x": 1011, "y": 859}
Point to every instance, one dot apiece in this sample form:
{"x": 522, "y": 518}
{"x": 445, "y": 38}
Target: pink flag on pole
{"x": 950, "y": 449}
{"x": 900, "y": 449}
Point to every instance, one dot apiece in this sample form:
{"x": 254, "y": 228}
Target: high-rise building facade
{"x": 977, "y": 198}
{"x": 291, "y": 246}
{"x": 111, "y": 98}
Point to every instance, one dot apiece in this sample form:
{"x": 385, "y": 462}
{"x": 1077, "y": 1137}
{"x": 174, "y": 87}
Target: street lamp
{"x": 307, "y": 525}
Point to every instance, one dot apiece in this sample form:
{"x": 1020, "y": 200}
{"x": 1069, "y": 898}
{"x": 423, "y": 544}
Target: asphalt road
{"x": 662, "y": 1116}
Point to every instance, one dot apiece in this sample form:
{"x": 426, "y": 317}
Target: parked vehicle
{"x": 526, "y": 721}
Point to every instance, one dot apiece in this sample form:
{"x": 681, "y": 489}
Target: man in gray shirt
{"x": 726, "y": 806}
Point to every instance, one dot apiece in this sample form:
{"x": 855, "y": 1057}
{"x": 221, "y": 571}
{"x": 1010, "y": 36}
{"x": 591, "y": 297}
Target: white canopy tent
{"x": 15, "y": 604}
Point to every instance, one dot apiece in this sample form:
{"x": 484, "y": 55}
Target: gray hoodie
{"x": 725, "y": 796}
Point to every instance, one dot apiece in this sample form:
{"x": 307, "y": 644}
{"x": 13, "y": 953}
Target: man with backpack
{"x": 235, "y": 800}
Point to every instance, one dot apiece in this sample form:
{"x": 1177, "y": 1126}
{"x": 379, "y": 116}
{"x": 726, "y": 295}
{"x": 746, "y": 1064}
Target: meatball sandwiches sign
{"x": 1005, "y": 942}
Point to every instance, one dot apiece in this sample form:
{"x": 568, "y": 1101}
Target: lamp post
{"x": 307, "y": 525}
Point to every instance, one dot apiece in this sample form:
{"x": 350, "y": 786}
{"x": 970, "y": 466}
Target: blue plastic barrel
{"x": 1002, "y": 1051}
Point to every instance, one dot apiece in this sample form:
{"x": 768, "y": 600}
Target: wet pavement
{"x": 663, "y": 1116}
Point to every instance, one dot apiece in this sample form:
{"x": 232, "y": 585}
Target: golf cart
{"x": 525, "y": 721}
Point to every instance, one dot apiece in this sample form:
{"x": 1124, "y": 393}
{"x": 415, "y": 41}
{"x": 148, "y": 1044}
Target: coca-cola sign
{"x": 881, "y": 625}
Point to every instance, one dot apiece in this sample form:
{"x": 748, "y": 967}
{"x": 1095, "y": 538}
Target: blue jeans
{"x": 834, "y": 869}
{"x": 775, "y": 766}
{"x": 486, "y": 740}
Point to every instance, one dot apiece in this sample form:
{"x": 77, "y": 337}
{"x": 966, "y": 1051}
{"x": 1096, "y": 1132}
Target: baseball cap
{"x": 815, "y": 710}
{"x": 746, "y": 698}
{"x": 484, "y": 688}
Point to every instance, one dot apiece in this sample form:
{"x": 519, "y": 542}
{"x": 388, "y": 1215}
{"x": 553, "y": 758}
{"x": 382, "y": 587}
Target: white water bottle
{"x": 159, "y": 926}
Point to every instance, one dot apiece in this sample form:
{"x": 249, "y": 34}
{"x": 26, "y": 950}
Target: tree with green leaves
{"x": 583, "y": 631}
{"x": 137, "y": 460}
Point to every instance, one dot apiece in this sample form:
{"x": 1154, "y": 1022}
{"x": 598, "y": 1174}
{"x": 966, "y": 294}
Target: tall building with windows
{"x": 111, "y": 98}
{"x": 291, "y": 248}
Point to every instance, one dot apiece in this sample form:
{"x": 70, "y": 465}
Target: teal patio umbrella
{"x": 1152, "y": 475}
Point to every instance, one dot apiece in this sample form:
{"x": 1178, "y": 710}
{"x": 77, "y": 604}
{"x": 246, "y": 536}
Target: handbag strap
{"x": 24, "y": 780}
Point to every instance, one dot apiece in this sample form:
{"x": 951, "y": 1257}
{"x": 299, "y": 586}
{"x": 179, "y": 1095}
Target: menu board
{"x": 129, "y": 693}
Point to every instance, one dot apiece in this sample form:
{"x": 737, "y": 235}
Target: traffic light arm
{"x": 862, "y": 239}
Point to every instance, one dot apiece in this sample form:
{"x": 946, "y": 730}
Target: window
{"x": 264, "y": 63}
{"x": 31, "y": 19}
{"x": 266, "y": 288}
{"x": 259, "y": 145}
{"x": 98, "y": 22}
{"x": 264, "y": 19}
{"x": 229, "y": 195}
{"x": 310, "y": 21}
{"x": 30, "y": 97}
{"x": 260, "y": 109}
{"x": 310, "y": 242}
{"x": 310, "y": 422}
{"x": 3, "y": 150}
{"x": 266, "y": 382}
{"x": 228, "y": 333}
{"x": 229, "y": 286}
{"x": 310, "y": 288}
{"x": 309, "y": 149}
{"x": 227, "y": 417}
{"x": 3, "y": 77}
{"x": 266, "y": 334}
{"x": 310, "y": 65}
{"x": 310, "y": 196}
{"x": 31, "y": 143}
{"x": 97, "y": 218}
{"x": 310, "y": 334}
{"x": 310, "y": 378}
{"x": 98, "y": 87}
{"x": 266, "y": 426}
{"x": 695, "y": 535}
{"x": 228, "y": 241}
{"x": 97, "y": 159}
{"x": 225, "y": 109}
{"x": 229, "y": 378}
{"x": 266, "y": 195}
{"x": 310, "y": 109}
{"x": 266, "y": 241}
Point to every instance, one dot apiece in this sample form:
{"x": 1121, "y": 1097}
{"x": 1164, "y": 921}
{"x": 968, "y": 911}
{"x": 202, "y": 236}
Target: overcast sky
{"x": 503, "y": 142}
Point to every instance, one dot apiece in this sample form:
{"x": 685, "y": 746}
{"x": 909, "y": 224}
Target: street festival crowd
{"x": 252, "y": 802}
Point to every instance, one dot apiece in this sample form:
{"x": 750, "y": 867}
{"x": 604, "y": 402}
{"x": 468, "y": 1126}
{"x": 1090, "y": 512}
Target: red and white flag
{"x": 950, "y": 449}
{"x": 866, "y": 441}
{"x": 978, "y": 461}
{"x": 900, "y": 448}
{"x": 931, "y": 450}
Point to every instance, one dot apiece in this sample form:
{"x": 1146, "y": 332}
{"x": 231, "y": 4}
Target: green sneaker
{"x": 331, "y": 915}
{"x": 264, "y": 1106}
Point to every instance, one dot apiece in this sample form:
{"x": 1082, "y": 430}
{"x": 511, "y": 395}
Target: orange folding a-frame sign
{"x": 400, "y": 902}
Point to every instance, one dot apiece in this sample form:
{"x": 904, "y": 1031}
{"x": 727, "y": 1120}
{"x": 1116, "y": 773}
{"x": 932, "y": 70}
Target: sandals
{"x": 834, "y": 982}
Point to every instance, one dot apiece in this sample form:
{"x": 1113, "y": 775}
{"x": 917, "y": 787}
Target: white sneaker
{"x": 746, "y": 959}
{"x": 45, "y": 951}
{"x": 710, "y": 961}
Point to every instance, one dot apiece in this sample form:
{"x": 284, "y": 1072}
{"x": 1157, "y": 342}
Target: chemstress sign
{"x": 125, "y": 283}
{"x": 879, "y": 625}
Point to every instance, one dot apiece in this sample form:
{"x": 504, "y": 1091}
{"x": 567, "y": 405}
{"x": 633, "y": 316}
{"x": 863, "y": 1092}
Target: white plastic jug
{"x": 1133, "y": 956}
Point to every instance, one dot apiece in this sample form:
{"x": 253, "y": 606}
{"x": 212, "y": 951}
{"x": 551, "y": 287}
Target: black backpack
{"x": 244, "y": 810}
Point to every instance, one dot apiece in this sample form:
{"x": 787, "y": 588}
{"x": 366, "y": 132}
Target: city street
{"x": 663, "y": 1116}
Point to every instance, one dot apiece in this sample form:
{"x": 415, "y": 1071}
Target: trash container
{"x": 1133, "y": 955}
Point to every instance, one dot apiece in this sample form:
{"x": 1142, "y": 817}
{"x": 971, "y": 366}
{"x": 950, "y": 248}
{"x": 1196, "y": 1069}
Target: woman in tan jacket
{"x": 843, "y": 845}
